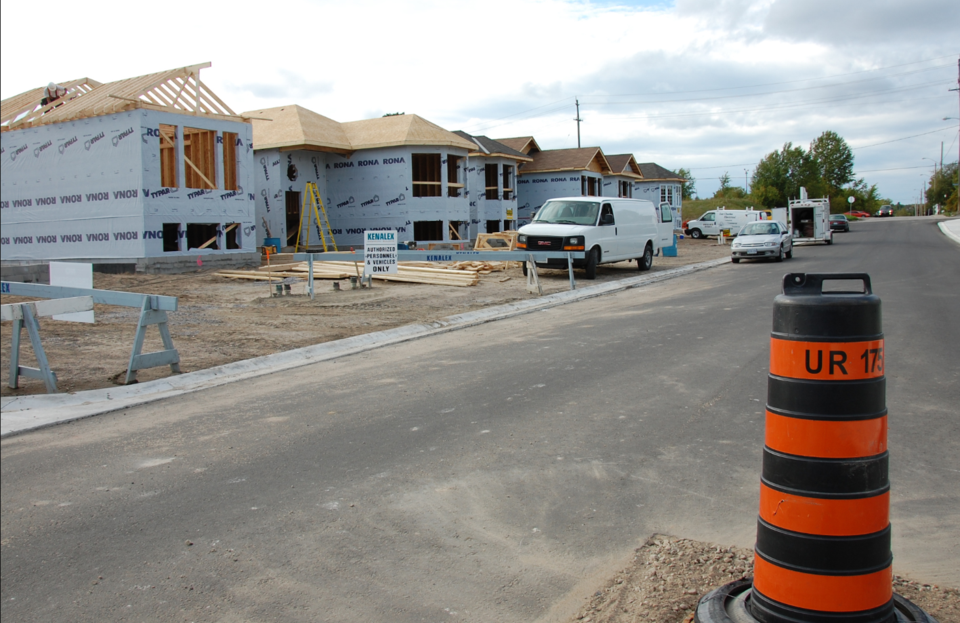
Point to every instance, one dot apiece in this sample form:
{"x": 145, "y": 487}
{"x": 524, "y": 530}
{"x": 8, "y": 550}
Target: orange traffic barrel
{"x": 823, "y": 532}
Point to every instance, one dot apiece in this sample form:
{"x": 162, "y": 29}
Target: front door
{"x": 609, "y": 245}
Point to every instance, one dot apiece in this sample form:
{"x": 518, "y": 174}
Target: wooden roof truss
{"x": 29, "y": 104}
{"x": 177, "y": 90}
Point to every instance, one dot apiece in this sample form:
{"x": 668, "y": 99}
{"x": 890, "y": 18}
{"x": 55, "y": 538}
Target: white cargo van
{"x": 606, "y": 229}
{"x": 712, "y": 222}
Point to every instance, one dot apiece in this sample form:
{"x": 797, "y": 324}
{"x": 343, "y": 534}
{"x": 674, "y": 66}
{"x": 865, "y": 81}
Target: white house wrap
{"x": 127, "y": 170}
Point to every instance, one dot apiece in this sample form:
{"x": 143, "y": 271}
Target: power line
{"x": 904, "y": 138}
{"x": 720, "y": 97}
{"x": 564, "y": 101}
{"x": 788, "y": 106}
{"x": 771, "y": 84}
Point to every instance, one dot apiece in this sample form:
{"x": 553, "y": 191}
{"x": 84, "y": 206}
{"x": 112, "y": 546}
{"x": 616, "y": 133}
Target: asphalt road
{"x": 495, "y": 473}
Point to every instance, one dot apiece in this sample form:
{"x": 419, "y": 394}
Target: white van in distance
{"x": 712, "y": 222}
{"x": 607, "y": 229}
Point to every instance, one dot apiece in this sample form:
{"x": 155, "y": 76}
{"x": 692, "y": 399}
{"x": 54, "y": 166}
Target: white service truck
{"x": 712, "y": 222}
{"x": 808, "y": 219}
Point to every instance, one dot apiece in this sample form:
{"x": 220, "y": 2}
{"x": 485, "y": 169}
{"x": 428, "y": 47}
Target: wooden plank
{"x": 47, "y": 308}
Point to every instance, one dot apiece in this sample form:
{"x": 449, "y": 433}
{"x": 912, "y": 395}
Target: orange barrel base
{"x": 740, "y": 602}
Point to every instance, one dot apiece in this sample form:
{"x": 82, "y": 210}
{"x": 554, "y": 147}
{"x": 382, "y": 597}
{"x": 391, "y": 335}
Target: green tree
{"x": 942, "y": 189}
{"x": 724, "y": 186}
{"x": 780, "y": 175}
{"x": 834, "y": 161}
{"x": 866, "y": 198}
{"x": 689, "y": 188}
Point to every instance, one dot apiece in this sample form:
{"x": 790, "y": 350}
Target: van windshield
{"x": 569, "y": 212}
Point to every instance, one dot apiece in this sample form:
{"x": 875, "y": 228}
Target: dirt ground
{"x": 668, "y": 576}
{"x": 220, "y": 320}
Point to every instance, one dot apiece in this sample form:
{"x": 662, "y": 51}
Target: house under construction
{"x": 148, "y": 172}
{"x": 397, "y": 172}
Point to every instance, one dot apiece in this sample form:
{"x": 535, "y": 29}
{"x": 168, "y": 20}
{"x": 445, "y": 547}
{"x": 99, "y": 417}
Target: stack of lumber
{"x": 465, "y": 274}
{"x": 421, "y": 274}
{"x": 280, "y": 271}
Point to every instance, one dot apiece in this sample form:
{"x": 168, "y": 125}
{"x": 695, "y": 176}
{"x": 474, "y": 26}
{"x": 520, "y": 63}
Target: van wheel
{"x": 645, "y": 261}
{"x": 696, "y": 234}
{"x": 735, "y": 260}
{"x": 592, "y": 260}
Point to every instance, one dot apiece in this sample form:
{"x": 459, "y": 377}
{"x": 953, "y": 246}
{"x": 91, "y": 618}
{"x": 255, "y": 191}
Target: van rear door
{"x": 665, "y": 226}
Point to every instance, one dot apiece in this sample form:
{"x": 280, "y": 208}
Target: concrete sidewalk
{"x": 951, "y": 228}
{"x": 21, "y": 414}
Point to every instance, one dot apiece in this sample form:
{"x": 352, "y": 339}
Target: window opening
{"x": 168, "y": 156}
{"x": 493, "y": 227}
{"x": 202, "y": 236}
{"x": 490, "y": 176}
{"x": 454, "y": 181}
{"x": 626, "y": 189}
{"x": 507, "y": 182}
{"x": 232, "y": 234}
{"x": 171, "y": 237}
{"x": 508, "y": 226}
{"x": 428, "y": 230}
{"x": 230, "y": 161}
{"x": 293, "y": 216}
{"x": 198, "y": 154}
{"x": 589, "y": 186}
{"x": 426, "y": 176}
{"x": 454, "y": 228}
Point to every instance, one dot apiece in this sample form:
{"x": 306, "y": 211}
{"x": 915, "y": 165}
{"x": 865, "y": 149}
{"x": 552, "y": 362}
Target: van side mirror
{"x": 606, "y": 219}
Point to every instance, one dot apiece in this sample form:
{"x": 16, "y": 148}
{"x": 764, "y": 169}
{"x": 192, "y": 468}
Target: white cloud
{"x": 514, "y": 67}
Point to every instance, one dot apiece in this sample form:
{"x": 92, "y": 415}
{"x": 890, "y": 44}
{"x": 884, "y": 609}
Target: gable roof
{"x": 567, "y": 160}
{"x": 176, "y": 90}
{"x": 625, "y": 164}
{"x": 654, "y": 172}
{"x": 398, "y": 130}
{"x": 294, "y": 126}
{"x": 491, "y": 148}
{"x": 524, "y": 144}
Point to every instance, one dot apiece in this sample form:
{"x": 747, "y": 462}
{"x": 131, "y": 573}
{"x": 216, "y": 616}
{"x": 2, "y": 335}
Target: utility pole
{"x": 578, "y": 120}
{"x": 746, "y": 190}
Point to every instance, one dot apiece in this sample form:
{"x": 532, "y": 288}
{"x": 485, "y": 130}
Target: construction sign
{"x": 379, "y": 252}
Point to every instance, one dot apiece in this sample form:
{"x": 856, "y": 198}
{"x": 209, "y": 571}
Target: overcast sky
{"x": 709, "y": 85}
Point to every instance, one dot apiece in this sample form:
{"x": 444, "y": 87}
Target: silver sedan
{"x": 762, "y": 240}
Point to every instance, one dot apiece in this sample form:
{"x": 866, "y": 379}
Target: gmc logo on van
{"x": 543, "y": 243}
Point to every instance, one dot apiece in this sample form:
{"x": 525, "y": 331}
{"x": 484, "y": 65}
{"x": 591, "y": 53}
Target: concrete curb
{"x": 29, "y": 413}
{"x": 951, "y": 228}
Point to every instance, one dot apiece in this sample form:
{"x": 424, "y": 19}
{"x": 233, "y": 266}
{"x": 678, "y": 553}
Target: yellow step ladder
{"x": 313, "y": 208}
